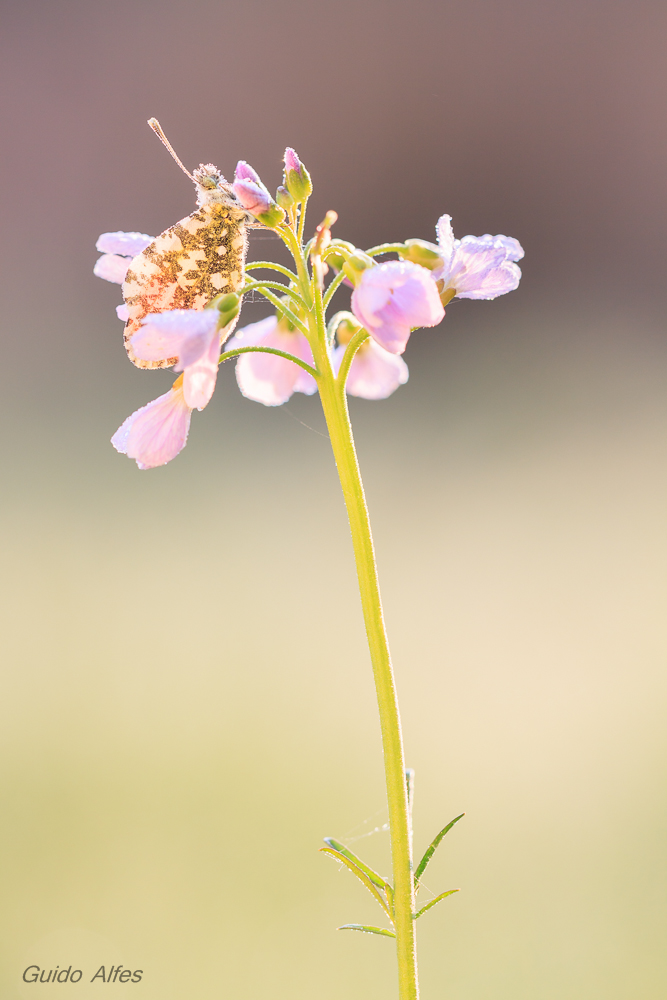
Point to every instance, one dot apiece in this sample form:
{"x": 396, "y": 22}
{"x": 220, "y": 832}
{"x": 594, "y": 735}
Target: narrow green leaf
{"x": 389, "y": 893}
{"x": 430, "y": 851}
{"x": 367, "y": 930}
{"x": 361, "y": 875}
{"x": 373, "y": 876}
{"x": 434, "y": 901}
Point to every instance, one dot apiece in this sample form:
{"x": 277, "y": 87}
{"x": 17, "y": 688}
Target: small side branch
{"x": 234, "y": 353}
{"x": 359, "y": 338}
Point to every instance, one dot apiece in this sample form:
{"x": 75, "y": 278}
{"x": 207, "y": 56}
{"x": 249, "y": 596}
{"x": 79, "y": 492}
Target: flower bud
{"x": 347, "y": 326}
{"x": 338, "y": 257}
{"x": 257, "y": 200}
{"x": 244, "y": 172}
{"x": 284, "y": 198}
{"x": 283, "y": 321}
{"x": 228, "y": 306}
{"x": 297, "y": 178}
{"x": 356, "y": 264}
{"x": 421, "y": 252}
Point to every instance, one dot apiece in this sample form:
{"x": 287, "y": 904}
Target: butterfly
{"x": 194, "y": 260}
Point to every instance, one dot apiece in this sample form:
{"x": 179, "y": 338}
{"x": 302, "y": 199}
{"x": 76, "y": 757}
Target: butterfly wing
{"x": 184, "y": 268}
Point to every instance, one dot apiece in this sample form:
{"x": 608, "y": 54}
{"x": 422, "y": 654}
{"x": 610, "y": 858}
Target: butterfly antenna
{"x": 157, "y": 128}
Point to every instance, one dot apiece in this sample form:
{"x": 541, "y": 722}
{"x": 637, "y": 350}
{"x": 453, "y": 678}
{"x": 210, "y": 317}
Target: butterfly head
{"x": 212, "y": 188}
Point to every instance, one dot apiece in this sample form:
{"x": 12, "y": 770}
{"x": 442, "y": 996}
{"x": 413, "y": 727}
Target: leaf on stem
{"x": 430, "y": 851}
{"x": 373, "y": 876}
{"x": 434, "y": 901}
{"x": 361, "y": 875}
{"x": 367, "y": 930}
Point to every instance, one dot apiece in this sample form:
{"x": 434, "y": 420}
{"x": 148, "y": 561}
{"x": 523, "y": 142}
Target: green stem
{"x": 334, "y": 404}
{"x": 255, "y": 265}
{"x": 234, "y": 353}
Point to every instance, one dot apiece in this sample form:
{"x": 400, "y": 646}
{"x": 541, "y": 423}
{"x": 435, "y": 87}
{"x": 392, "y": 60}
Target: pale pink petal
{"x": 254, "y": 198}
{"x": 122, "y": 312}
{"x": 445, "y": 238}
{"x": 127, "y": 244}
{"x": 477, "y": 267}
{"x": 374, "y": 372}
{"x": 111, "y": 267}
{"x": 252, "y": 334}
{"x": 244, "y": 172}
{"x": 155, "y": 434}
{"x": 493, "y": 282}
{"x": 199, "y": 378}
{"x": 394, "y": 298}
{"x": 183, "y": 333}
{"x": 266, "y": 378}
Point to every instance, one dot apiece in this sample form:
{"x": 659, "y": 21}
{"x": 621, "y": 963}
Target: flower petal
{"x": 155, "y": 434}
{"x": 266, "y": 378}
{"x": 122, "y": 312}
{"x": 127, "y": 244}
{"x": 446, "y": 241}
{"x": 199, "y": 378}
{"x": 183, "y": 333}
{"x": 111, "y": 267}
{"x": 374, "y": 372}
{"x": 393, "y": 298}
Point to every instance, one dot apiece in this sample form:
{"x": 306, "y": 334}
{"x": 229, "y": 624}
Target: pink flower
{"x": 118, "y": 251}
{"x": 374, "y": 372}
{"x": 476, "y": 267}
{"x": 126, "y": 244}
{"x": 192, "y": 336}
{"x": 157, "y": 432}
{"x": 264, "y": 377}
{"x": 392, "y": 299}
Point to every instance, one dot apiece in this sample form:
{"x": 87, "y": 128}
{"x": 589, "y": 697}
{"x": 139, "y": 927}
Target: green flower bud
{"x": 283, "y": 320}
{"x": 356, "y": 264}
{"x": 347, "y": 326}
{"x": 421, "y": 252}
{"x": 337, "y": 258}
{"x": 297, "y": 178}
{"x": 228, "y": 302}
{"x": 272, "y": 217}
{"x": 284, "y": 198}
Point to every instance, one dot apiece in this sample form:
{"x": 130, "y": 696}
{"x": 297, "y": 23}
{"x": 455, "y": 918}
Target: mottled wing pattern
{"x": 184, "y": 268}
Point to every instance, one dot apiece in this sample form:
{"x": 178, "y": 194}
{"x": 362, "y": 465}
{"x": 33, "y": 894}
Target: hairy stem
{"x": 334, "y": 405}
{"x": 340, "y": 431}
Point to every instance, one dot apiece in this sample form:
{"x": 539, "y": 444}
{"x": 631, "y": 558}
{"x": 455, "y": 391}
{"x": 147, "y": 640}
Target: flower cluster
{"x": 288, "y": 352}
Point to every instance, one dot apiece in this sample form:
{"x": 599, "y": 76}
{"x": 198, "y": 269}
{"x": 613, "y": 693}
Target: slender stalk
{"x": 334, "y": 404}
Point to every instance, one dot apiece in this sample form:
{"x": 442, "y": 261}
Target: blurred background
{"x": 187, "y": 705}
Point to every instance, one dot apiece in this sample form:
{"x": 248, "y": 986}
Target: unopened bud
{"x": 297, "y": 178}
{"x": 244, "y": 172}
{"x": 356, "y": 264}
{"x": 323, "y": 234}
{"x": 421, "y": 252}
{"x": 337, "y": 257}
{"x": 257, "y": 200}
{"x": 283, "y": 320}
{"x": 346, "y": 328}
{"x": 284, "y": 198}
{"x": 228, "y": 306}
